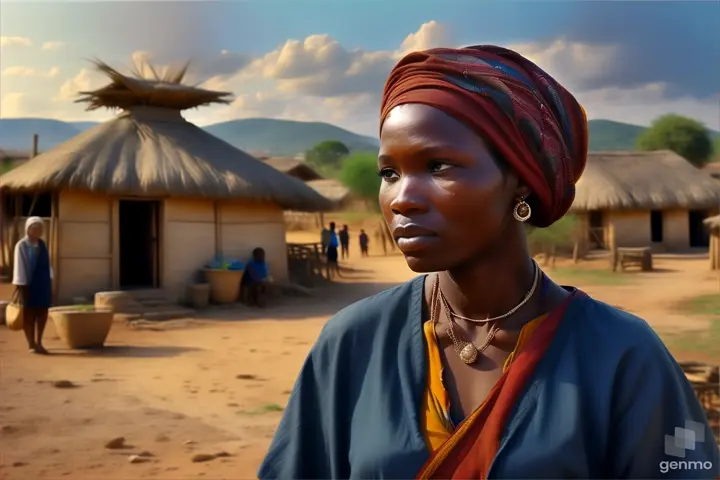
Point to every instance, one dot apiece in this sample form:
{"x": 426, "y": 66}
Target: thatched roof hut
{"x": 146, "y": 199}
{"x": 293, "y": 167}
{"x": 643, "y": 181}
{"x": 149, "y": 149}
{"x": 644, "y": 199}
{"x": 333, "y": 190}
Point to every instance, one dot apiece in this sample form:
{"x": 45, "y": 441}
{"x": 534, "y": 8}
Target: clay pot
{"x": 224, "y": 285}
{"x": 82, "y": 327}
{"x": 200, "y": 295}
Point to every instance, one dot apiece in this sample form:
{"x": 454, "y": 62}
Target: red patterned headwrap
{"x": 535, "y": 125}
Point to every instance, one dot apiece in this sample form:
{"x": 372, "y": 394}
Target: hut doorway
{"x": 656, "y": 226}
{"x": 699, "y": 236}
{"x": 596, "y": 230}
{"x": 138, "y": 225}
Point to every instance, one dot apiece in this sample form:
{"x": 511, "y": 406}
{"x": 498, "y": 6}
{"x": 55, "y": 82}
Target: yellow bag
{"x": 14, "y": 312}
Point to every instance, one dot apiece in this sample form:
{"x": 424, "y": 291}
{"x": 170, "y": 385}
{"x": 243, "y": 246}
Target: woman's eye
{"x": 438, "y": 166}
{"x": 387, "y": 174}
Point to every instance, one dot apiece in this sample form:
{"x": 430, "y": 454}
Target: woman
{"x": 32, "y": 276}
{"x": 486, "y": 368}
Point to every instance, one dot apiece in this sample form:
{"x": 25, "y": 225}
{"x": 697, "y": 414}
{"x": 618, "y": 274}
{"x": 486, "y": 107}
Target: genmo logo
{"x": 674, "y": 465}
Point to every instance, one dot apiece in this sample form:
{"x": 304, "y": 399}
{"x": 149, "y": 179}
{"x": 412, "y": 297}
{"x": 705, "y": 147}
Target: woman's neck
{"x": 33, "y": 241}
{"x": 490, "y": 285}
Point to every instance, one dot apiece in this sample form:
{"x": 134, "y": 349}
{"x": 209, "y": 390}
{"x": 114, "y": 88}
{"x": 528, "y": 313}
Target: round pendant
{"x": 468, "y": 354}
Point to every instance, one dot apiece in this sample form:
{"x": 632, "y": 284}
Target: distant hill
{"x": 278, "y": 137}
{"x": 17, "y": 133}
{"x": 610, "y": 135}
{"x": 82, "y": 126}
{"x": 285, "y": 137}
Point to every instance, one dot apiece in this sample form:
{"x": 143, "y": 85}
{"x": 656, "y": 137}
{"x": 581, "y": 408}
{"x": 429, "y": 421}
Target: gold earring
{"x": 522, "y": 211}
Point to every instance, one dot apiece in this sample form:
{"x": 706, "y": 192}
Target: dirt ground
{"x": 216, "y": 384}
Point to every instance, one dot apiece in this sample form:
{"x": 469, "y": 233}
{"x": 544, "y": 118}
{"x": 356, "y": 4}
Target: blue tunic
{"x": 40, "y": 287}
{"x": 599, "y": 405}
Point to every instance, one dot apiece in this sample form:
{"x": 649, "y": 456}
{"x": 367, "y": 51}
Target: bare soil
{"x": 214, "y": 385}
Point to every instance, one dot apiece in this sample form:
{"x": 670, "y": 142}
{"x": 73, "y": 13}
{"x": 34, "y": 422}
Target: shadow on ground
{"x": 325, "y": 301}
{"x": 126, "y": 351}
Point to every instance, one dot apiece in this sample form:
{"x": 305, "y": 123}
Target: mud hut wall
{"x": 245, "y": 226}
{"x": 676, "y": 231}
{"x": 84, "y": 251}
{"x": 631, "y": 228}
{"x": 188, "y": 243}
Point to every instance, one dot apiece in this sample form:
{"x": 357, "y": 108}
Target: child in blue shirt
{"x": 256, "y": 278}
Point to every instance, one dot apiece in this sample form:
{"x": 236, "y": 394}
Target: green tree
{"x": 327, "y": 155}
{"x": 684, "y": 136}
{"x": 359, "y": 174}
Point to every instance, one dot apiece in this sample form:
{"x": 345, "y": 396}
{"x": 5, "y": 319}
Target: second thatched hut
{"x": 147, "y": 199}
{"x": 644, "y": 199}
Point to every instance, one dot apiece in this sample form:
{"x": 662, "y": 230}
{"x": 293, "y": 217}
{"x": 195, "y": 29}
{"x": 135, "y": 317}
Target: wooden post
{"x": 35, "y": 145}
{"x": 576, "y": 251}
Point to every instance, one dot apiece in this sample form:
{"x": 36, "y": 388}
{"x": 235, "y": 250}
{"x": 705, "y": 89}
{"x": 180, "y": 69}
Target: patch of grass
{"x": 702, "y": 305}
{"x": 705, "y": 341}
{"x": 582, "y": 276}
{"x": 266, "y": 408}
{"x": 84, "y": 307}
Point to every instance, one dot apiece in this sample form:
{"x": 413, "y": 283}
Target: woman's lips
{"x": 416, "y": 243}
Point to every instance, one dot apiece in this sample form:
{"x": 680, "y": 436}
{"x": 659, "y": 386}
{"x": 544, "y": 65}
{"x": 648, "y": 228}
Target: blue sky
{"x": 326, "y": 60}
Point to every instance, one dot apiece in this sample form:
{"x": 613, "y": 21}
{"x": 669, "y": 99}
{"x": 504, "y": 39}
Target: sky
{"x": 327, "y": 60}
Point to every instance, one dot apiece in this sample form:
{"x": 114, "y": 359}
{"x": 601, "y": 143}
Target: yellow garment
{"x": 435, "y": 422}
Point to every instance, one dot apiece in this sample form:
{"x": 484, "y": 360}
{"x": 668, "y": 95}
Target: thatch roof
{"x": 162, "y": 90}
{"x": 153, "y": 151}
{"x": 712, "y": 169}
{"x": 331, "y": 189}
{"x": 643, "y": 180}
{"x": 293, "y": 167}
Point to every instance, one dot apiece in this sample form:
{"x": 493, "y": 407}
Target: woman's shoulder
{"x": 389, "y": 309}
{"x": 616, "y": 331}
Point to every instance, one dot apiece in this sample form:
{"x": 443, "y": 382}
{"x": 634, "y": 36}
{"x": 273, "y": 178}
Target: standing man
{"x": 364, "y": 240}
{"x": 344, "y": 242}
{"x": 324, "y": 239}
{"x": 332, "y": 252}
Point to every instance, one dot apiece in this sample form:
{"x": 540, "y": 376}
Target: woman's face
{"x": 443, "y": 195}
{"x": 35, "y": 231}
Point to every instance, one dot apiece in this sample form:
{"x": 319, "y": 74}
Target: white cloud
{"x": 319, "y": 79}
{"x": 85, "y": 80}
{"x": 11, "y": 105}
{"x": 15, "y": 42}
{"x": 56, "y": 45}
{"x": 23, "y": 71}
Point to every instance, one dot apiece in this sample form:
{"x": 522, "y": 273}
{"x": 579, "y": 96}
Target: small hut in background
{"x": 293, "y": 167}
{"x": 712, "y": 169}
{"x": 147, "y": 199}
{"x": 644, "y": 199}
{"x": 337, "y": 193}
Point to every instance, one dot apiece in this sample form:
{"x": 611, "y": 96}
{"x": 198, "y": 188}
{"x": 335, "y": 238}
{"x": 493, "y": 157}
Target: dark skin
{"x": 444, "y": 187}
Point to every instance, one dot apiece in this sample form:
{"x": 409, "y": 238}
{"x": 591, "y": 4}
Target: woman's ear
{"x": 522, "y": 191}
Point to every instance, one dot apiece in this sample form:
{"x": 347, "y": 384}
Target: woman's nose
{"x": 410, "y": 196}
